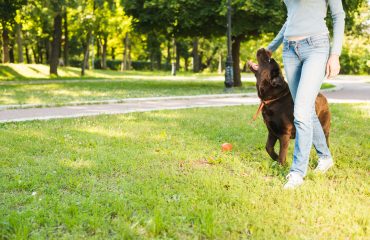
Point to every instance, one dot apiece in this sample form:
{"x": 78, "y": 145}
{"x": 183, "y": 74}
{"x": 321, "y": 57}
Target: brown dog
{"x": 277, "y": 105}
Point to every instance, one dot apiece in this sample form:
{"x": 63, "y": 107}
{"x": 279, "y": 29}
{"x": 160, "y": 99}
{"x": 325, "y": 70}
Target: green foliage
{"x": 355, "y": 58}
{"x": 253, "y": 17}
{"x": 147, "y": 176}
{"x": 356, "y": 10}
{"x": 8, "y": 10}
{"x": 151, "y": 24}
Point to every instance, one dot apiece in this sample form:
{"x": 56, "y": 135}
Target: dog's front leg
{"x": 284, "y": 144}
{"x": 271, "y": 140}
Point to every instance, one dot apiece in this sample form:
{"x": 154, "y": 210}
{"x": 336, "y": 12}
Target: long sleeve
{"x": 338, "y": 16}
{"x": 278, "y": 39}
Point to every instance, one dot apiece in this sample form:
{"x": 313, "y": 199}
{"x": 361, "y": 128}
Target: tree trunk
{"x": 196, "y": 62}
{"x": 236, "y": 60}
{"x": 200, "y": 61}
{"x": 113, "y": 53}
{"x": 173, "y": 71}
{"x": 1, "y": 49}
{"x": 220, "y": 64}
{"x": 92, "y": 54}
{"x": 98, "y": 48}
{"x": 11, "y": 53}
{"x": 48, "y": 51}
{"x": 27, "y": 54}
{"x": 38, "y": 52}
{"x": 19, "y": 43}
{"x": 56, "y": 44}
{"x": 85, "y": 62}
{"x": 125, "y": 53}
{"x": 66, "y": 40}
{"x": 35, "y": 55}
{"x": 104, "y": 53}
{"x": 177, "y": 58}
{"x": 159, "y": 61}
{"x": 168, "y": 58}
{"x": 5, "y": 43}
{"x": 129, "y": 55}
{"x": 159, "y": 57}
{"x": 209, "y": 60}
{"x": 186, "y": 60}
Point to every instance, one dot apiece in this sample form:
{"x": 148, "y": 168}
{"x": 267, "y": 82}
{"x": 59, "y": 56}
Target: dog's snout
{"x": 263, "y": 55}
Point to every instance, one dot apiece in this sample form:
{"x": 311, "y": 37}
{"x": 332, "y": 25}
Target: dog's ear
{"x": 252, "y": 66}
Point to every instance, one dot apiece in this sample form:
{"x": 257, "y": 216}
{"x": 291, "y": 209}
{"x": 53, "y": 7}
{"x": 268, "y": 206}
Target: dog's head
{"x": 270, "y": 80}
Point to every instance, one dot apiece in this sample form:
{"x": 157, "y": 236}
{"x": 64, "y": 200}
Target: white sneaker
{"x": 294, "y": 180}
{"x": 324, "y": 164}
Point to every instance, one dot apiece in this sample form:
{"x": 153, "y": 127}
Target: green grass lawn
{"x": 64, "y": 93}
{"x": 105, "y": 85}
{"x": 161, "y": 175}
{"x": 23, "y": 72}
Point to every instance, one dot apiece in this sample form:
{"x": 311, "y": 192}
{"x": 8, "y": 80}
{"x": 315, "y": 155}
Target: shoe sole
{"x": 325, "y": 170}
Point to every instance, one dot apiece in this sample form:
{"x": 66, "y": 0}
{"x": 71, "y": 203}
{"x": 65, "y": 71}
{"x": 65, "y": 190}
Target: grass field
{"x": 26, "y": 72}
{"x": 161, "y": 175}
{"x": 64, "y": 93}
{"x": 100, "y": 85}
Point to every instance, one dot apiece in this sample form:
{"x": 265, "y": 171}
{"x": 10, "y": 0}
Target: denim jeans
{"x": 305, "y": 64}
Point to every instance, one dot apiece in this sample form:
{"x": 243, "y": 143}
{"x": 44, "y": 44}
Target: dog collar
{"x": 266, "y": 102}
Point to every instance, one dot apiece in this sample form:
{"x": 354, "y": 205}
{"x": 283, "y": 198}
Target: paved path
{"x": 350, "y": 91}
{"x": 117, "y": 108}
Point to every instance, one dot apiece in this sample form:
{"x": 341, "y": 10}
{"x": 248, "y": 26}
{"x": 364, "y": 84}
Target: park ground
{"x": 30, "y": 84}
{"x": 162, "y": 175}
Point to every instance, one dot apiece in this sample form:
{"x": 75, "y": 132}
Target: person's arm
{"x": 277, "y": 40}
{"x": 338, "y": 15}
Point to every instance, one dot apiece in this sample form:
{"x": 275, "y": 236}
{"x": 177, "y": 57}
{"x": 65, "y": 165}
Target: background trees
{"x": 154, "y": 35}
{"x": 8, "y": 11}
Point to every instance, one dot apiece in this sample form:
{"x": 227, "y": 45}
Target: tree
{"x": 103, "y": 11}
{"x": 37, "y": 28}
{"x": 8, "y": 10}
{"x": 119, "y": 30}
{"x": 160, "y": 18}
{"x": 56, "y": 7}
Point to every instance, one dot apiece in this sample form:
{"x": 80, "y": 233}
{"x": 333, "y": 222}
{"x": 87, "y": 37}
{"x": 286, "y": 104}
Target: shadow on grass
{"x": 9, "y": 73}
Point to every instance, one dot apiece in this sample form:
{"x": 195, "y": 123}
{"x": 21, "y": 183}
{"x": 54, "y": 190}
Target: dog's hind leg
{"x": 327, "y": 138}
{"x": 271, "y": 140}
{"x": 284, "y": 144}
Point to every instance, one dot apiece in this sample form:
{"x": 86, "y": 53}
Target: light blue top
{"x": 307, "y": 18}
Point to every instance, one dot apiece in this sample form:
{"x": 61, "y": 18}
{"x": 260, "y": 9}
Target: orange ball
{"x": 226, "y": 147}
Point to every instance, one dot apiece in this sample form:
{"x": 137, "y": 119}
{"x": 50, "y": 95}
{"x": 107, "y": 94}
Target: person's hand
{"x": 332, "y": 66}
{"x": 253, "y": 65}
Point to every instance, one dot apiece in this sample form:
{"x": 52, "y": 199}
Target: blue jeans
{"x": 305, "y": 63}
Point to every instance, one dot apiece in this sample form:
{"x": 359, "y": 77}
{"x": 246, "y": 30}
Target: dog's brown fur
{"x": 278, "y": 113}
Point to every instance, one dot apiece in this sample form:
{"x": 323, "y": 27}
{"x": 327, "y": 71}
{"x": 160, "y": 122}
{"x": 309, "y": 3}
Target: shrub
{"x": 355, "y": 58}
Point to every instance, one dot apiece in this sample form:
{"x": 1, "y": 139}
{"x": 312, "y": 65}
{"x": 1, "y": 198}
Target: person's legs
{"x": 293, "y": 70}
{"x": 307, "y": 125}
{"x": 318, "y": 138}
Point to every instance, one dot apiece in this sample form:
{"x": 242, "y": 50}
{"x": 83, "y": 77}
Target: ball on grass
{"x": 226, "y": 147}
